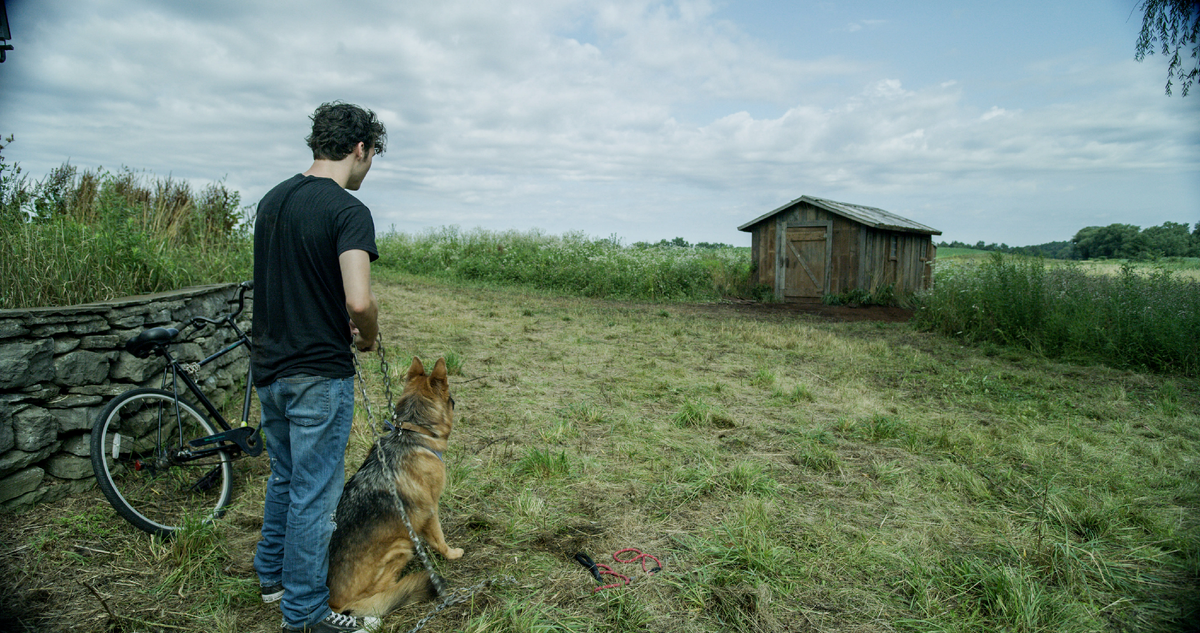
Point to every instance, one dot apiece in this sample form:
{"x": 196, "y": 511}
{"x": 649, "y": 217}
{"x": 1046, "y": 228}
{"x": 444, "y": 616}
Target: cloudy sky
{"x": 1017, "y": 122}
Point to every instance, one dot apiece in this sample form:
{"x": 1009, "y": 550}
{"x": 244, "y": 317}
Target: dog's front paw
{"x": 454, "y": 553}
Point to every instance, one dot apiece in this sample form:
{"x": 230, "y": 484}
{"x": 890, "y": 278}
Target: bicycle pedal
{"x": 246, "y": 438}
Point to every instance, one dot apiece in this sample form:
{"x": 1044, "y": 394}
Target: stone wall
{"x": 59, "y": 367}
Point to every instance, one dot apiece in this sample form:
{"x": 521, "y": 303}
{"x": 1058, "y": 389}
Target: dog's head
{"x": 426, "y": 401}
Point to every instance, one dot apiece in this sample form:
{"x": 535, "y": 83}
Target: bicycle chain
{"x": 449, "y": 598}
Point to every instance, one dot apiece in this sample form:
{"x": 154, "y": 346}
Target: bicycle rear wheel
{"x": 146, "y": 469}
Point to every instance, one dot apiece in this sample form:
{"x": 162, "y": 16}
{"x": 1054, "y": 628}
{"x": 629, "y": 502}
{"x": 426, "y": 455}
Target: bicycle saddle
{"x": 145, "y": 343}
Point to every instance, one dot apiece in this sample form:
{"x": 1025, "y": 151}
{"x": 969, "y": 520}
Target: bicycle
{"x": 159, "y": 459}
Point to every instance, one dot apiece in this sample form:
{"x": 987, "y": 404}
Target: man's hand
{"x": 360, "y": 343}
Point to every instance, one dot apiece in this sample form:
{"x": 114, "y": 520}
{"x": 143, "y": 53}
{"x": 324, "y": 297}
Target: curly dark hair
{"x": 339, "y": 126}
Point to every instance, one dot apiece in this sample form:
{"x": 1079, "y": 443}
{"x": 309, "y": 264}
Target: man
{"x": 313, "y": 247}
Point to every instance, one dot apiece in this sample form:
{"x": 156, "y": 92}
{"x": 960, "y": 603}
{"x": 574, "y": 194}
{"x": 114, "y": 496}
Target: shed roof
{"x": 870, "y": 216}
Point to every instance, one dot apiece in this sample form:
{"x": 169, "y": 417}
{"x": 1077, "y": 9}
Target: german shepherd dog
{"x": 371, "y": 545}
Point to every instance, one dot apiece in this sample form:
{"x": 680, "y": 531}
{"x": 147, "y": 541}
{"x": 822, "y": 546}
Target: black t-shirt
{"x": 300, "y": 323}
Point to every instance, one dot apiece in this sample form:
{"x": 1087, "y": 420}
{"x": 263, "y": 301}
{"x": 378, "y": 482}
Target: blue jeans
{"x": 306, "y": 424}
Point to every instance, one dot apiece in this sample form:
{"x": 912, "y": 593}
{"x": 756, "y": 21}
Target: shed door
{"x": 805, "y": 261}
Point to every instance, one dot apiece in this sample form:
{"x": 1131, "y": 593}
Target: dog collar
{"x": 438, "y": 453}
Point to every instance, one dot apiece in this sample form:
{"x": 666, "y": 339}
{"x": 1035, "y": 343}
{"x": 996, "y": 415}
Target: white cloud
{"x": 562, "y": 114}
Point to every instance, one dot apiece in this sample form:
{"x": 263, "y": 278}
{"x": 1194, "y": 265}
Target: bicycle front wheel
{"x": 146, "y": 468}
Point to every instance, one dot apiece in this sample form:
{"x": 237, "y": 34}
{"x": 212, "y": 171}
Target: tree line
{"x": 1115, "y": 241}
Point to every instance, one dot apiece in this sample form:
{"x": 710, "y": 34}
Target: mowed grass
{"x": 791, "y": 474}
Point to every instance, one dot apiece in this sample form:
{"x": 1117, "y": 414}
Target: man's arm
{"x": 360, "y": 301}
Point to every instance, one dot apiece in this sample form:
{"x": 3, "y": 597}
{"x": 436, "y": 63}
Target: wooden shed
{"x": 811, "y": 247}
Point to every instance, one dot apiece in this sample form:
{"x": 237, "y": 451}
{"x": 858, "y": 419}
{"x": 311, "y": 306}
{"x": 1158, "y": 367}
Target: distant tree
{"x": 1172, "y": 239}
{"x": 1113, "y": 241}
{"x": 1058, "y": 250}
{"x": 679, "y": 241}
{"x": 1175, "y": 24}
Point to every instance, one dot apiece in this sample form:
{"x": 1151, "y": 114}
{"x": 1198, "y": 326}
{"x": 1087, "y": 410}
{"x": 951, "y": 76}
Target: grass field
{"x": 1184, "y": 267}
{"x": 791, "y": 474}
{"x": 946, "y": 252}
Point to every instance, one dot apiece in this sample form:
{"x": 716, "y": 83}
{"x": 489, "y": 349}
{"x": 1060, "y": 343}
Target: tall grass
{"x": 571, "y": 264}
{"x": 1131, "y": 319}
{"x": 77, "y": 237}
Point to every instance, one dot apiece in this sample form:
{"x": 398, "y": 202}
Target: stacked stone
{"x": 59, "y": 367}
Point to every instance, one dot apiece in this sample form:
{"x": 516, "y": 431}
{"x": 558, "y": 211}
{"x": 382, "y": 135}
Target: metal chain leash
{"x": 449, "y": 598}
{"x": 459, "y": 596}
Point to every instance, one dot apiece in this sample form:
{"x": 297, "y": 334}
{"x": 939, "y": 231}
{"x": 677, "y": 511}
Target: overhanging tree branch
{"x": 1175, "y": 24}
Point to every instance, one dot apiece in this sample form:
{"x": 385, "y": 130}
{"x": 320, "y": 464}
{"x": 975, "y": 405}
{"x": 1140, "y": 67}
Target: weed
{"x": 797, "y": 394}
{"x": 80, "y": 237}
{"x": 519, "y": 616}
{"x": 585, "y": 413}
{"x": 1168, "y": 399}
{"x": 750, "y": 478}
{"x": 697, "y": 413}
{"x": 816, "y": 457}
{"x": 571, "y": 264}
{"x": 544, "y": 463}
{"x": 1130, "y": 319}
{"x": 624, "y": 611}
{"x": 763, "y": 378}
{"x": 454, "y": 364}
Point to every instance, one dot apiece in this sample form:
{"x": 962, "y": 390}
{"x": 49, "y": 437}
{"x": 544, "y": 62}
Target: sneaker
{"x": 338, "y": 623}
{"x": 271, "y": 593}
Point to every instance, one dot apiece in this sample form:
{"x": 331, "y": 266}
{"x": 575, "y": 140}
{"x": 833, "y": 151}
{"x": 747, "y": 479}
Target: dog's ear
{"x": 439, "y": 371}
{"x": 415, "y": 369}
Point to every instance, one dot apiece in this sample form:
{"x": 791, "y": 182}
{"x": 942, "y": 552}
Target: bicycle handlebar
{"x": 201, "y": 321}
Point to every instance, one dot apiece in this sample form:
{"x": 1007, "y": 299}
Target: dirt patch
{"x": 756, "y": 309}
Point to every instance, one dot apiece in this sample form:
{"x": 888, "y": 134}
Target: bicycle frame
{"x": 238, "y": 436}
{"x": 244, "y": 439}
{"x": 174, "y": 367}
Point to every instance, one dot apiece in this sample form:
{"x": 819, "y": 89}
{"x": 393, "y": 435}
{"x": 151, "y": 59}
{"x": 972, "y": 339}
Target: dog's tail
{"x": 412, "y": 588}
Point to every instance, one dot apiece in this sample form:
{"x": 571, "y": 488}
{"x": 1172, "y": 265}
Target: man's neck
{"x": 336, "y": 170}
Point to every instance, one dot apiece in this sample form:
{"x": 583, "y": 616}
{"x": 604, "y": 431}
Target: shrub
{"x": 571, "y": 264}
{"x": 1128, "y": 320}
{"x": 77, "y": 237}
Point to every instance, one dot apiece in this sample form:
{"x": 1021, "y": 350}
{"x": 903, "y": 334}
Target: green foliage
{"x": 1115, "y": 241}
{"x": 1131, "y": 320}
{"x": 1126, "y": 241}
{"x": 13, "y": 188}
{"x": 1175, "y": 24}
{"x": 571, "y": 264}
{"x": 77, "y": 237}
{"x": 884, "y": 295}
